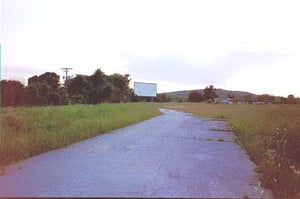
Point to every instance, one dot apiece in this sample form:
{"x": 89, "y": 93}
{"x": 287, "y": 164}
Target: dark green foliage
{"x": 162, "y": 98}
{"x": 78, "y": 89}
{"x": 210, "y": 93}
{"x": 50, "y": 79}
{"x": 46, "y": 90}
{"x": 119, "y": 88}
{"x": 195, "y": 96}
{"x": 12, "y": 93}
{"x": 43, "y": 90}
{"x": 99, "y": 88}
{"x": 291, "y": 99}
{"x": 97, "y": 85}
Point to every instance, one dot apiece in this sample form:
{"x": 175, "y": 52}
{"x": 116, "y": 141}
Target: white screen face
{"x": 145, "y": 89}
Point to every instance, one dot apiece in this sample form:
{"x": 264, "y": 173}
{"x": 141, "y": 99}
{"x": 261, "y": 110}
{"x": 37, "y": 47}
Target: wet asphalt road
{"x": 172, "y": 155}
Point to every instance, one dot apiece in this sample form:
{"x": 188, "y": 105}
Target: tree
{"x": 291, "y": 99}
{"x": 283, "y": 100}
{"x": 44, "y": 89}
{"x": 97, "y": 86}
{"x": 162, "y": 98}
{"x": 32, "y": 94}
{"x": 119, "y": 87}
{"x": 247, "y": 98}
{"x": 209, "y": 93}
{"x": 79, "y": 89}
{"x": 13, "y": 93}
{"x": 231, "y": 96}
{"x": 195, "y": 96}
{"x": 50, "y": 79}
{"x": 266, "y": 97}
{"x": 133, "y": 97}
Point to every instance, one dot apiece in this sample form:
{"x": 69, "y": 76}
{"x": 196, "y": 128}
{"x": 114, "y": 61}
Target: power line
{"x": 66, "y": 70}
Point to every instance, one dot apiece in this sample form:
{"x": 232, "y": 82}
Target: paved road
{"x": 172, "y": 155}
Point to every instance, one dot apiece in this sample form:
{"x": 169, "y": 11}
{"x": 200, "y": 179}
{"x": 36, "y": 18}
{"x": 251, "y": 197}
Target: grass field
{"x": 269, "y": 133}
{"x": 30, "y": 131}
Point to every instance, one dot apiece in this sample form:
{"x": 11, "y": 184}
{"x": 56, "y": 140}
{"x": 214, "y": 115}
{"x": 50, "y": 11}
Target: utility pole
{"x": 66, "y": 70}
{"x": 66, "y": 78}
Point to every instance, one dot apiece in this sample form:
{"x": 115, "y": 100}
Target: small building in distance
{"x": 227, "y": 101}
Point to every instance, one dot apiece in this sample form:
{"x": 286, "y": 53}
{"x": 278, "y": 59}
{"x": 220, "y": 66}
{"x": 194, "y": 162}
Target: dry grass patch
{"x": 269, "y": 133}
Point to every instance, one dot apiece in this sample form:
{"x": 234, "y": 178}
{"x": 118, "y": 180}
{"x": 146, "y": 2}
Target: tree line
{"x": 209, "y": 95}
{"x": 47, "y": 90}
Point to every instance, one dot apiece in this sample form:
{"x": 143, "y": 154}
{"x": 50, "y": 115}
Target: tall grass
{"x": 269, "y": 133}
{"x": 271, "y": 136}
{"x": 30, "y": 131}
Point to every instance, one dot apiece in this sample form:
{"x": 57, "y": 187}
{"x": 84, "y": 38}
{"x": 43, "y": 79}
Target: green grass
{"x": 31, "y": 131}
{"x": 269, "y": 133}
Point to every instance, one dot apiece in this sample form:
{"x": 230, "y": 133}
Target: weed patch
{"x": 270, "y": 134}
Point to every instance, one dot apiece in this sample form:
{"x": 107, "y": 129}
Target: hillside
{"x": 183, "y": 95}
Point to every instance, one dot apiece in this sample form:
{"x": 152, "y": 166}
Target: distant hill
{"x": 183, "y": 95}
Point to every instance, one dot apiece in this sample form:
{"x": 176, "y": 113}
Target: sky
{"x": 241, "y": 45}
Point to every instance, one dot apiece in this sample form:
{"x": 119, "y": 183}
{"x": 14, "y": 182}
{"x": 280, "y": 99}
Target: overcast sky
{"x": 181, "y": 45}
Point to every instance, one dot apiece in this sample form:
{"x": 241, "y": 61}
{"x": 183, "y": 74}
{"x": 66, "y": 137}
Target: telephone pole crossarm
{"x": 66, "y": 70}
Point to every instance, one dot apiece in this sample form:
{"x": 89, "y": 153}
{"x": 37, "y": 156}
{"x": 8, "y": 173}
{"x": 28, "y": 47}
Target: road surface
{"x": 172, "y": 155}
